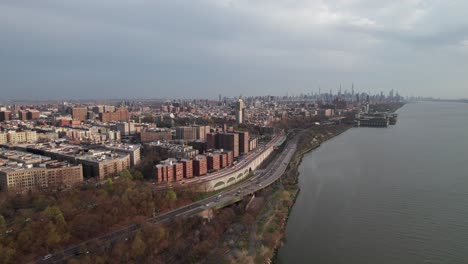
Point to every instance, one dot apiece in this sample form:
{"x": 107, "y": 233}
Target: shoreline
{"x": 300, "y": 156}
{"x": 272, "y": 221}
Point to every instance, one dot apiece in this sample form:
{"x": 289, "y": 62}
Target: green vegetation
{"x": 35, "y": 224}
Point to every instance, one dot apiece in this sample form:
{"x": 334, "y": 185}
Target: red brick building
{"x": 33, "y": 114}
{"x": 213, "y": 161}
{"x": 23, "y": 115}
{"x": 79, "y": 113}
{"x": 187, "y": 167}
{"x": 200, "y": 165}
{"x": 211, "y": 141}
{"x": 178, "y": 168}
{"x": 155, "y": 135}
{"x": 230, "y": 157}
{"x": 243, "y": 142}
{"x": 161, "y": 173}
{"x": 120, "y": 114}
{"x": 223, "y": 160}
{"x": 5, "y": 116}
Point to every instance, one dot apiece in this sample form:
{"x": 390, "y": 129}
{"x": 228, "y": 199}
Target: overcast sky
{"x": 201, "y": 48}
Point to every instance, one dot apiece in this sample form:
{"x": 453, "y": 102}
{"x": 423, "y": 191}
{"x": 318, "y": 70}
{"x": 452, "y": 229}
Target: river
{"x": 386, "y": 195}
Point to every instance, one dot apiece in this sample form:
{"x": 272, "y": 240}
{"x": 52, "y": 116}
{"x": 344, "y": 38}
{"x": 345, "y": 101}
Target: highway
{"x": 262, "y": 179}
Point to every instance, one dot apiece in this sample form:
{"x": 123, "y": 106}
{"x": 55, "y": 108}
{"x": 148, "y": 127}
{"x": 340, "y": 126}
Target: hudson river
{"x": 386, "y": 195}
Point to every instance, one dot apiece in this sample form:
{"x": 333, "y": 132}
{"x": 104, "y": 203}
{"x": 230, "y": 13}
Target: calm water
{"x": 395, "y": 195}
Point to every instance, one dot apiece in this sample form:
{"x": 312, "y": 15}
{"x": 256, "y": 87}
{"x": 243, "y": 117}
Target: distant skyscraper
{"x": 240, "y": 111}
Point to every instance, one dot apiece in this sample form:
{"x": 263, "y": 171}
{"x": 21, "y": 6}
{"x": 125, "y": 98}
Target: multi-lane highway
{"x": 261, "y": 180}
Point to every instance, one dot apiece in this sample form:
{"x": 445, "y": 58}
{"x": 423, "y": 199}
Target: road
{"x": 262, "y": 179}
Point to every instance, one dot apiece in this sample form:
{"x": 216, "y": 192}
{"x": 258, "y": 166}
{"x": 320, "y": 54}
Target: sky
{"x": 62, "y": 49}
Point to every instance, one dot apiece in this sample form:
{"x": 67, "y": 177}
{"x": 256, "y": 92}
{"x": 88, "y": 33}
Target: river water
{"x": 386, "y": 195}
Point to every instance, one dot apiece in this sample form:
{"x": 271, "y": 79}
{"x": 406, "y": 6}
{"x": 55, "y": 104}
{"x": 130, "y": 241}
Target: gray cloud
{"x": 142, "y": 48}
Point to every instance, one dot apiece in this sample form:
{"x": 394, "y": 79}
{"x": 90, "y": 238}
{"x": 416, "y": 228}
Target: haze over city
{"x": 186, "y": 49}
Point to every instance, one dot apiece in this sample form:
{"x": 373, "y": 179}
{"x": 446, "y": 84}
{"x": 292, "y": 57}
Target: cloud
{"x": 177, "y": 48}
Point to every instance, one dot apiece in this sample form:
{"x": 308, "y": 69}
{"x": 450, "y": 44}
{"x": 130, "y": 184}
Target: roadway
{"x": 261, "y": 180}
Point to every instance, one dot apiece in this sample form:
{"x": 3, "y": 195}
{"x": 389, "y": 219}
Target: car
{"x": 46, "y": 257}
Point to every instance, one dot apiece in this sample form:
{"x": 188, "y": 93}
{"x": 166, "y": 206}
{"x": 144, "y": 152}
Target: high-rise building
{"x": 240, "y": 106}
{"x": 14, "y": 137}
{"x": 33, "y": 114}
{"x": 178, "y": 171}
{"x": 190, "y": 133}
{"x": 5, "y": 116}
{"x": 23, "y": 115}
{"x": 28, "y": 114}
{"x": 229, "y": 141}
{"x": 126, "y": 128}
{"x": 155, "y": 135}
{"x": 187, "y": 167}
{"x": 243, "y": 142}
{"x": 214, "y": 161}
{"x": 200, "y": 165}
{"x": 211, "y": 140}
{"x": 98, "y": 109}
{"x": 121, "y": 114}
{"x": 54, "y": 176}
{"x": 79, "y": 113}
{"x": 185, "y": 133}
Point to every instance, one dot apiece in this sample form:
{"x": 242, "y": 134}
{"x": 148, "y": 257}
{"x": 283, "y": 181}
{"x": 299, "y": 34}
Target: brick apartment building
{"x": 5, "y": 116}
{"x": 188, "y": 168}
{"x": 213, "y": 161}
{"x": 200, "y": 165}
{"x": 243, "y": 142}
{"x": 79, "y": 113}
{"x": 155, "y": 135}
{"x": 120, "y": 114}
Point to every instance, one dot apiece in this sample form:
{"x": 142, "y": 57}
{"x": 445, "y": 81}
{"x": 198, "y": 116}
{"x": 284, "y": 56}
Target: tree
{"x": 53, "y": 236}
{"x": 137, "y": 175}
{"x": 171, "y": 196}
{"x": 2, "y": 223}
{"x": 109, "y": 185}
{"x": 148, "y": 119}
{"x": 55, "y": 214}
{"x": 7, "y": 254}
{"x": 138, "y": 247}
{"x": 126, "y": 175}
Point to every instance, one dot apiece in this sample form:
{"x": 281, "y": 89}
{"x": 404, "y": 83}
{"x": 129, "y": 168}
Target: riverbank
{"x": 311, "y": 140}
{"x": 262, "y": 228}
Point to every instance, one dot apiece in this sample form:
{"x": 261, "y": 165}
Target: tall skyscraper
{"x": 240, "y": 111}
